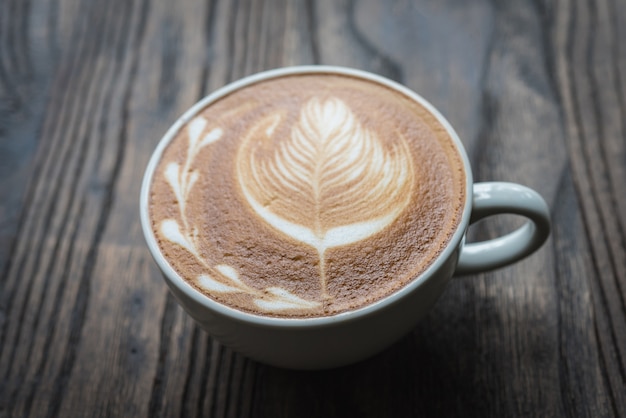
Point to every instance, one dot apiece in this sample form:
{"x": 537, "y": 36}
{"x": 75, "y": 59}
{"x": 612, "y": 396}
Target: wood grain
{"x": 536, "y": 90}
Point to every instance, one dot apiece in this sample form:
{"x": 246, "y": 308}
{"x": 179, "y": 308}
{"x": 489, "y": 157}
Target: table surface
{"x": 536, "y": 91}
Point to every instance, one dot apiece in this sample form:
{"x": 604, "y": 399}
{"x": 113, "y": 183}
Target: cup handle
{"x": 495, "y": 198}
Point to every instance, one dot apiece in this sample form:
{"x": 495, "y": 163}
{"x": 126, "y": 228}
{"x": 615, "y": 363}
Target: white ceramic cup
{"x": 325, "y": 342}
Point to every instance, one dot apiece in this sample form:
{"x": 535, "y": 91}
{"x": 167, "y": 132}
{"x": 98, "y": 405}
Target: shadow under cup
{"x": 350, "y": 336}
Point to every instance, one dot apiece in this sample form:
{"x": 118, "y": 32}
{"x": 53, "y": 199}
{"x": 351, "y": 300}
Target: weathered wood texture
{"x": 536, "y": 90}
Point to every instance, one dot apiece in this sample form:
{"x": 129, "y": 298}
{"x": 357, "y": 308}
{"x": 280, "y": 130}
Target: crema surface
{"x": 306, "y": 195}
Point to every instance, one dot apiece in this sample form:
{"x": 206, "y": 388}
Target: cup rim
{"x": 183, "y": 286}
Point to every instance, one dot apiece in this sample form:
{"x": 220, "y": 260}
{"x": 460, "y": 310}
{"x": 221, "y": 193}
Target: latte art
{"x": 306, "y": 195}
{"x": 330, "y": 183}
{"x": 181, "y": 180}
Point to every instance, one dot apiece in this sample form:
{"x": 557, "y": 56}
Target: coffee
{"x": 306, "y": 195}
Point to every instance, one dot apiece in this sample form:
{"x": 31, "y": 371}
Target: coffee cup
{"x": 308, "y": 217}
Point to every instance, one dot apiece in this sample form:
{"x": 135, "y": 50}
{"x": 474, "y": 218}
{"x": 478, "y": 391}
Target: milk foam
{"x": 323, "y": 174}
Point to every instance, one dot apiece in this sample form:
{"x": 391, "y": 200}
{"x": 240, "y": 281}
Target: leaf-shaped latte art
{"x": 171, "y": 231}
{"x": 331, "y": 182}
{"x": 282, "y": 299}
{"x": 221, "y": 278}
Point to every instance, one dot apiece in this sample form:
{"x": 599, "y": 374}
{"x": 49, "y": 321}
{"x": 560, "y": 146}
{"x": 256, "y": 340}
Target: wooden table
{"x": 536, "y": 90}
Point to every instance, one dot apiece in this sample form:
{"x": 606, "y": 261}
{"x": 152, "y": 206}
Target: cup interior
{"x": 189, "y": 291}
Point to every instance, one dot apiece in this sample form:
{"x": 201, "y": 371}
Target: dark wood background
{"x": 536, "y": 90}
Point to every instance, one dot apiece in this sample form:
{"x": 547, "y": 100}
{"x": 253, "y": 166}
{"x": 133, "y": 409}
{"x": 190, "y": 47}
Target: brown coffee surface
{"x": 306, "y": 195}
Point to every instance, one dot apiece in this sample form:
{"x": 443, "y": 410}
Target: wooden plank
{"x": 585, "y": 44}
